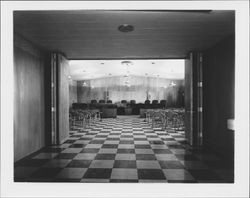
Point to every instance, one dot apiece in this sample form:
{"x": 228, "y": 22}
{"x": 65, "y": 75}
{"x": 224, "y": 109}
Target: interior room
{"x": 136, "y": 96}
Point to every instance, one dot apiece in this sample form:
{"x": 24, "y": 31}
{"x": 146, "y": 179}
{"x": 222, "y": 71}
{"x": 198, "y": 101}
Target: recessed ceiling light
{"x": 126, "y": 28}
{"x": 153, "y": 63}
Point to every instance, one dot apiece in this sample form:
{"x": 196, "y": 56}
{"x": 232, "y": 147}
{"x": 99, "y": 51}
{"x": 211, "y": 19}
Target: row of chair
{"x": 163, "y": 102}
{"x": 166, "y": 118}
{"x": 83, "y": 118}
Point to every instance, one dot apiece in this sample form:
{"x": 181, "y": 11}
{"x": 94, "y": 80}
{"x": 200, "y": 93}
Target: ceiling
{"x": 94, "y": 34}
{"x": 90, "y": 69}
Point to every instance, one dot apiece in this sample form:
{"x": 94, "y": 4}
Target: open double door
{"x": 60, "y": 99}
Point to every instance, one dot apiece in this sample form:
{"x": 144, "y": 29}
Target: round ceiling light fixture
{"x": 126, "y": 28}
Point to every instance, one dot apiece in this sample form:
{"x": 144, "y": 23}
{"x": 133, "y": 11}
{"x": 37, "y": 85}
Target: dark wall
{"x": 29, "y": 98}
{"x": 218, "y": 97}
{"x": 189, "y": 99}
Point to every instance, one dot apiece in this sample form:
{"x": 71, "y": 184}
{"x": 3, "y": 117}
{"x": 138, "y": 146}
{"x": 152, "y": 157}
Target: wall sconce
{"x": 172, "y": 84}
{"x": 84, "y": 84}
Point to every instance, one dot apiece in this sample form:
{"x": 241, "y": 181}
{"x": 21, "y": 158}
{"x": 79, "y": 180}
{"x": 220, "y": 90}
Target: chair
{"x": 102, "y": 101}
{"x": 124, "y": 101}
{"x": 93, "y": 101}
{"x": 158, "y": 118}
{"x": 132, "y": 102}
{"x": 148, "y": 115}
{"x": 163, "y": 103}
{"x": 155, "y": 102}
{"x": 109, "y": 101}
{"x": 170, "y": 119}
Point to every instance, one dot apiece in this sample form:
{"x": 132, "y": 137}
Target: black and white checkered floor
{"x": 125, "y": 149}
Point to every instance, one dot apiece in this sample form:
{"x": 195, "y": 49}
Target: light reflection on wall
{"x": 139, "y": 88}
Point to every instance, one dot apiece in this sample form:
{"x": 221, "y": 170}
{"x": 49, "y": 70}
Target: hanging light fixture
{"x": 172, "y": 84}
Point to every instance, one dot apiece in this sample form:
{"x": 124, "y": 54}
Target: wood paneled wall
{"x": 29, "y": 100}
{"x": 63, "y": 98}
{"x": 140, "y": 89}
{"x": 218, "y": 89}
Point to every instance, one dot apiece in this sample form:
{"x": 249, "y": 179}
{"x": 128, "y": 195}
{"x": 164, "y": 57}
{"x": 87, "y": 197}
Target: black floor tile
{"x": 137, "y": 133}
{"x": 105, "y": 157}
{"x": 109, "y": 145}
{"x": 150, "y": 174}
{"x": 145, "y": 157}
{"x": 70, "y": 141}
{"x": 79, "y": 163}
{"x": 90, "y": 150}
{"x": 100, "y": 173}
{"x": 77, "y": 145}
{"x": 125, "y": 164}
{"x": 126, "y": 142}
{"x": 31, "y": 162}
{"x": 162, "y": 151}
{"x": 140, "y": 139}
{"x": 156, "y": 142}
{"x": 171, "y": 165}
{"x": 152, "y": 136}
{"x": 125, "y": 150}
{"x": 97, "y": 142}
{"x": 123, "y": 180}
{"x": 126, "y": 136}
{"x": 66, "y": 155}
{"x": 52, "y": 150}
{"x": 101, "y": 136}
{"x": 86, "y": 138}
{"x": 46, "y": 173}
{"x": 142, "y": 146}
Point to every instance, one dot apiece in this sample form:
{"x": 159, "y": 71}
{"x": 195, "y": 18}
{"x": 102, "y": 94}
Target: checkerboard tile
{"x": 123, "y": 150}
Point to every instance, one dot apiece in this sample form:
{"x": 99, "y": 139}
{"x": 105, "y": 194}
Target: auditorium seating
{"x": 123, "y": 108}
